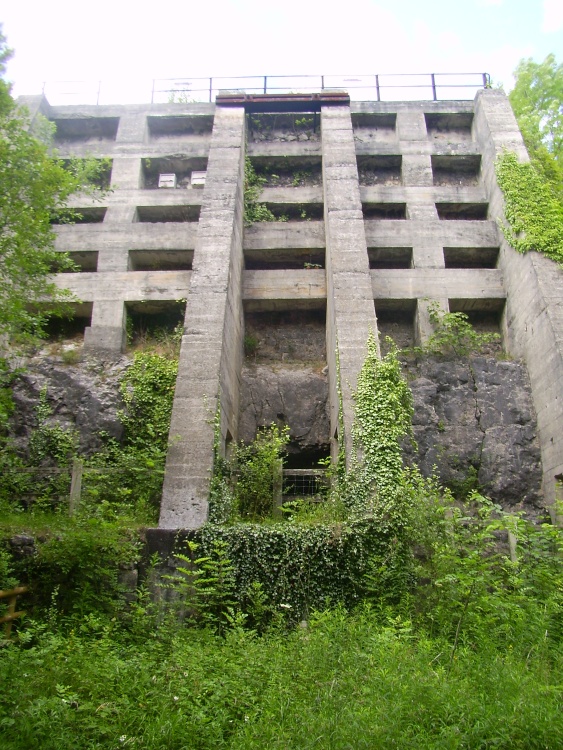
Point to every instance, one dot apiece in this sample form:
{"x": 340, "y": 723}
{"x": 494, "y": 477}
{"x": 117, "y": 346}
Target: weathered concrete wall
{"x": 533, "y": 320}
{"x": 427, "y": 193}
{"x": 211, "y": 353}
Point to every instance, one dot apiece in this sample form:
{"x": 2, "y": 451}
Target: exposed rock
{"x": 475, "y": 417}
{"x": 22, "y": 545}
{"x": 296, "y": 397}
{"x": 83, "y": 396}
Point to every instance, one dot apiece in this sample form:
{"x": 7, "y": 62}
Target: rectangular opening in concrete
{"x": 449, "y": 126}
{"x": 456, "y": 170}
{"x": 287, "y": 258}
{"x": 157, "y": 214}
{"x": 92, "y": 215}
{"x": 384, "y": 210}
{"x": 289, "y": 171}
{"x": 155, "y": 323}
{"x": 379, "y": 170}
{"x": 174, "y": 126}
{"x": 160, "y": 260}
{"x": 86, "y": 129}
{"x": 462, "y": 211}
{"x": 181, "y": 166}
{"x": 70, "y": 328}
{"x": 285, "y": 381}
{"x": 286, "y": 335}
{"x": 374, "y": 127}
{"x": 296, "y": 211}
{"x": 395, "y": 320}
{"x": 85, "y": 261}
{"x": 485, "y": 315}
{"x": 471, "y": 257}
{"x": 101, "y": 180}
{"x": 283, "y": 126}
{"x": 390, "y": 257}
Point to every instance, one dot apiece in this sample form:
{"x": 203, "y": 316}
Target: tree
{"x": 35, "y": 189}
{"x": 537, "y": 101}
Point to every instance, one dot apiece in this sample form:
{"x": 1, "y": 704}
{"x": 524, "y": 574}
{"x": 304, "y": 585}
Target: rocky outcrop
{"x": 297, "y": 397}
{"x": 83, "y": 397}
{"x": 475, "y": 423}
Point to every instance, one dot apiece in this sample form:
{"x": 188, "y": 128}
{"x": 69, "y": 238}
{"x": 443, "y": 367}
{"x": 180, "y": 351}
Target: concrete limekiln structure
{"x": 389, "y": 207}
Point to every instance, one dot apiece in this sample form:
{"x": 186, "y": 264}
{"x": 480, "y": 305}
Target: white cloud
{"x": 552, "y": 16}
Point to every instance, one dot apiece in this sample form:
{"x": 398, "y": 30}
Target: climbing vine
{"x": 534, "y": 216}
{"x": 300, "y": 563}
{"x": 383, "y": 414}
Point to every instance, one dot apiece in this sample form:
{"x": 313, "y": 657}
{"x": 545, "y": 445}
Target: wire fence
{"x": 372, "y": 87}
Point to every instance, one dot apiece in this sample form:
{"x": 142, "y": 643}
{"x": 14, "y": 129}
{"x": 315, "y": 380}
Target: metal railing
{"x": 373, "y": 87}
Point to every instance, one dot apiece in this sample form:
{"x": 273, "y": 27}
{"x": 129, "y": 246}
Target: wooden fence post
{"x": 12, "y": 615}
{"x": 75, "y": 486}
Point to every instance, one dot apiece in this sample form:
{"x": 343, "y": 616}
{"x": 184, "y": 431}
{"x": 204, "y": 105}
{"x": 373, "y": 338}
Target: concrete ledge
{"x": 141, "y": 236}
{"x": 129, "y": 286}
{"x": 452, "y": 283}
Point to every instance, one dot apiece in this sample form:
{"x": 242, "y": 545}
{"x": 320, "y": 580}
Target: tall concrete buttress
{"x": 533, "y": 316}
{"x": 211, "y": 352}
{"x": 350, "y": 307}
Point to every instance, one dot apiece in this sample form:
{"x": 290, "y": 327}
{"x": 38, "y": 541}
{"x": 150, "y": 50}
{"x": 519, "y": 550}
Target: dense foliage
{"x": 469, "y": 656}
{"x": 35, "y": 189}
{"x": 537, "y": 101}
{"x": 534, "y": 215}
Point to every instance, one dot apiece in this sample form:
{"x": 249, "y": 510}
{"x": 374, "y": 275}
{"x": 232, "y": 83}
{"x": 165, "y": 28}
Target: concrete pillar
{"x": 211, "y": 355}
{"x": 126, "y": 173}
{"x": 533, "y": 323}
{"x": 132, "y": 127}
{"x": 350, "y": 308}
{"x": 107, "y": 330}
{"x": 423, "y": 327}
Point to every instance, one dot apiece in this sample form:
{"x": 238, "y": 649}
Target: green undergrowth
{"x": 374, "y": 678}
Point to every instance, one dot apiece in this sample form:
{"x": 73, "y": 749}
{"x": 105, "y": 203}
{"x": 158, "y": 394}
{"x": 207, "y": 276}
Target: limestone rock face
{"x": 475, "y": 417}
{"x": 297, "y": 397}
{"x": 84, "y": 397}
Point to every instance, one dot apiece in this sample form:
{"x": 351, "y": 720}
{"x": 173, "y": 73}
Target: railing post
{"x": 152, "y": 92}
{"x": 265, "y": 84}
{"x": 322, "y": 83}
{"x": 434, "y": 94}
{"x": 486, "y": 81}
{"x": 377, "y": 87}
{"x": 98, "y": 94}
{"x": 210, "y": 90}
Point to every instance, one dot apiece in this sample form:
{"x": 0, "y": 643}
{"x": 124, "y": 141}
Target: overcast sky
{"x": 122, "y": 42}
